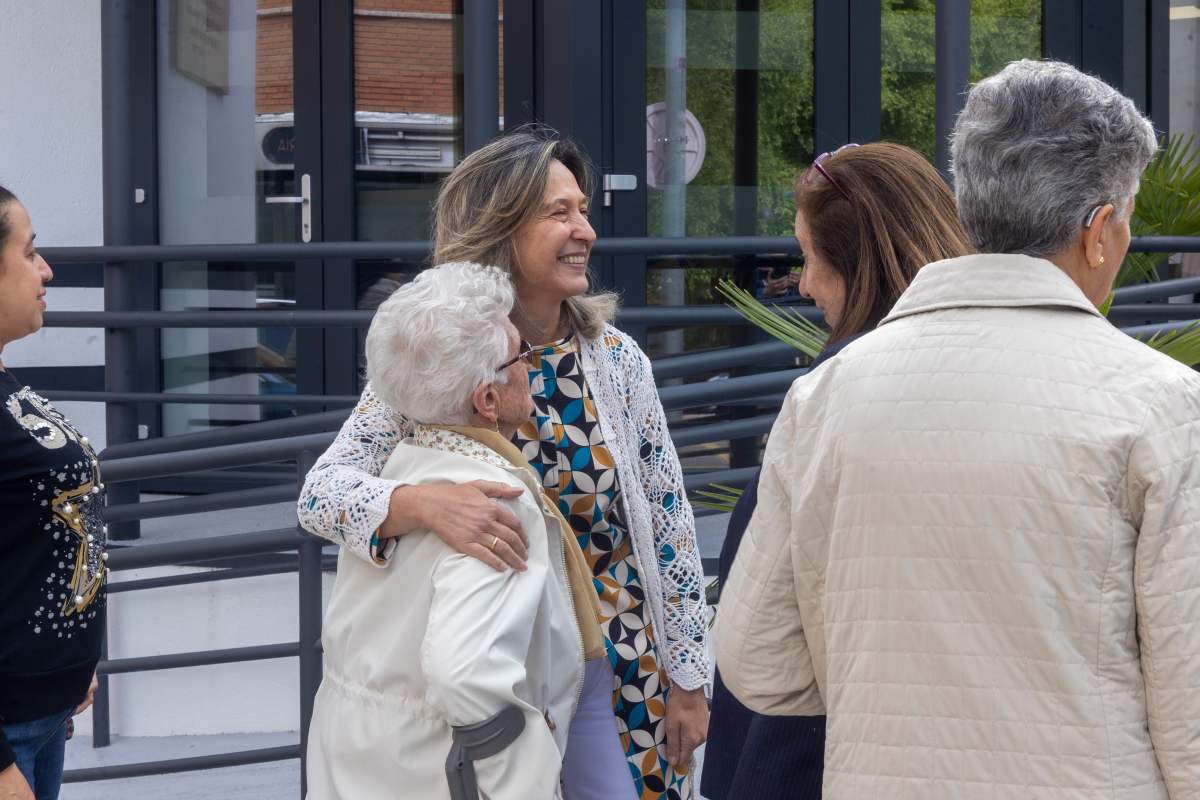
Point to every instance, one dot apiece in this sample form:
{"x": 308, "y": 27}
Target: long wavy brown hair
{"x": 499, "y": 188}
{"x": 893, "y": 215}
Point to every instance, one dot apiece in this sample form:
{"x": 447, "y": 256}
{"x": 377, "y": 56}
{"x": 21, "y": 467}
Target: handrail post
{"x": 101, "y": 730}
{"x": 310, "y": 623}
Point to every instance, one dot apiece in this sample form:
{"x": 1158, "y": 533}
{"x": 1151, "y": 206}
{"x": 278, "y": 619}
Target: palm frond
{"x": 785, "y": 324}
{"x": 716, "y": 496}
{"x": 1167, "y": 204}
{"x": 1182, "y": 344}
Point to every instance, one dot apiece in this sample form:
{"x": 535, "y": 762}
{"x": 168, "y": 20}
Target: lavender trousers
{"x": 595, "y": 767}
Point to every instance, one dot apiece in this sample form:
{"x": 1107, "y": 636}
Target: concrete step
{"x": 279, "y": 780}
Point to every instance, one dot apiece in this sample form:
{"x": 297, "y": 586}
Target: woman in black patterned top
{"x": 51, "y": 545}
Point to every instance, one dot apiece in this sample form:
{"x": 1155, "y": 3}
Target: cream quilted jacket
{"x": 977, "y": 548}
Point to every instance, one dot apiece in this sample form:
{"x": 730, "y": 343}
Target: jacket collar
{"x": 480, "y": 444}
{"x": 477, "y": 443}
{"x": 990, "y": 280}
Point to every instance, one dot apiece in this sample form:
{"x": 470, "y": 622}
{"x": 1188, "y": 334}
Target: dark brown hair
{"x": 6, "y": 197}
{"x": 896, "y": 215}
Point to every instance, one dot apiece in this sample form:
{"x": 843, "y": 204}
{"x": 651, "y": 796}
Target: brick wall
{"x": 401, "y": 63}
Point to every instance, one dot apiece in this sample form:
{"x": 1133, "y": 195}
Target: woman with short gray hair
{"x": 441, "y": 642}
{"x": 993, "y": 591}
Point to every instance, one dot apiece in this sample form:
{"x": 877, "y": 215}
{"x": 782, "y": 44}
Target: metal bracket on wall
{"x": 305, "y": 201}
{"x": 618, "y": 183}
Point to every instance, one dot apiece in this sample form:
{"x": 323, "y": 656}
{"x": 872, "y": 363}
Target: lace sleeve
{"x": 344, "y": 500}
{"x": 674, "y": 526}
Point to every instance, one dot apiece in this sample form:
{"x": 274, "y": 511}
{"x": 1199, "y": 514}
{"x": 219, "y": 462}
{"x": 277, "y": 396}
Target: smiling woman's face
{"x": 23, "y": 277}
{"x": 553, "y": 248}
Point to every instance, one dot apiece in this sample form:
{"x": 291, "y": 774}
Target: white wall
{"x": 50, "y": 157}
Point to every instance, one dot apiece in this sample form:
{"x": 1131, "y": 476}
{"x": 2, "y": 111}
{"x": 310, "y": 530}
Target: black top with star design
{"x": 52, "y": 540}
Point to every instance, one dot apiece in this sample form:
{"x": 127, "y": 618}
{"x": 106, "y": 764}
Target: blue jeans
{"x": 39, "y": 747}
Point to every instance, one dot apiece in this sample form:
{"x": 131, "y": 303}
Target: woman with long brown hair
{"x": 867, "y": 218}
{"x": 597, "y": 439}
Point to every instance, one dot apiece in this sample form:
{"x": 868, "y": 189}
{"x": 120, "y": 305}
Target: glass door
{"x": 227, "y": 164}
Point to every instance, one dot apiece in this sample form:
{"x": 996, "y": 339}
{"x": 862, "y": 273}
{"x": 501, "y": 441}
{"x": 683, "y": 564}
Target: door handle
{"x": 305, "y": 201}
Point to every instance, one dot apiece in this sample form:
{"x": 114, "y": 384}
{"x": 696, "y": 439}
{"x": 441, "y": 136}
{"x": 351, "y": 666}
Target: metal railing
{"x": 289, "y": 549}
{"x": 200, "y": 552}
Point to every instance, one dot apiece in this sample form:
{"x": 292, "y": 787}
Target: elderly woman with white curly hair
{"x": 993, "y": 589}
{"x": 418, "y": 654}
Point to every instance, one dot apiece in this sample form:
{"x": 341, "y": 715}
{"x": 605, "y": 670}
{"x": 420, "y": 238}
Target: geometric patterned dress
{"x": 564, "y": 444}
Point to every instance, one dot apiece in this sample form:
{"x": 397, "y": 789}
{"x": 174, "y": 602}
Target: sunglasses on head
{"x": 816, "y": 165}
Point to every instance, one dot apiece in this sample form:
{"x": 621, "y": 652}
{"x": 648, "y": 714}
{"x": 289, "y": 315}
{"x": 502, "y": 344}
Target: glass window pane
{"x": 776, "y": 66}
{"x": 782, "y": 126}
{"x": 225, "y": 117}
{"x": 1184, "y": 88}
{"x": 907, "y": 81}
{"x": 407, "y": 112}
{"x": 1003, "y": 31}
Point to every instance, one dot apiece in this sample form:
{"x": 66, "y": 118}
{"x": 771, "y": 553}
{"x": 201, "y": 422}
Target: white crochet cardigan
{"x": 344, "y": 500}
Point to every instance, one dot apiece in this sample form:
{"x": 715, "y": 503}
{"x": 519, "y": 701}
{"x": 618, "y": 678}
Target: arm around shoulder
{"x": 343, "y": 499}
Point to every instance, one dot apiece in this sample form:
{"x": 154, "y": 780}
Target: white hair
{"x": 435, "y": 339}
{"x": 1039, "y": 145}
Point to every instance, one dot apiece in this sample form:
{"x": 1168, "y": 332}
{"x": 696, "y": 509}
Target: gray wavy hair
{"x": 1039, "y": 145}
{"x": 435, "y": 339}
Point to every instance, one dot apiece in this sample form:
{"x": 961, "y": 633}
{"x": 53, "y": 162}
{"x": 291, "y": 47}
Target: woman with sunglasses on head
{"x": 51, "y": 544}
{"x": 867, "y": 218}
{"x": 598, "y": 440}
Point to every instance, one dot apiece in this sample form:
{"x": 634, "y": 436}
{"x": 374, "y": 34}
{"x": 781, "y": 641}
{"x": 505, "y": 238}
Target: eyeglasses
{"x": 524, "y": 351}
{"x": 816, "y": 165}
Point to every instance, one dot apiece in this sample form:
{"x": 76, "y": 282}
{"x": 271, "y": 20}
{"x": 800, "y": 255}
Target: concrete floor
{"x": 276, "y": 781}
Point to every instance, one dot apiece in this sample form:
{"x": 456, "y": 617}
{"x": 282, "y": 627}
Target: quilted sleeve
{"x": 674, "y": 526}
{"x": 759, "y": 637}
{"x": 1165, "y": 484}
{"x": 344, "y": 500}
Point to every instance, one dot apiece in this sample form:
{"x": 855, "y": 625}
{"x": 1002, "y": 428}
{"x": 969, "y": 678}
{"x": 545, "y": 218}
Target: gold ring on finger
{"x": 495, "y": 541}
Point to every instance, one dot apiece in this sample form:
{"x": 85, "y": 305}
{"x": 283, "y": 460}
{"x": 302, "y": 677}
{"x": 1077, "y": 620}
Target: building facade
{"x": 193, "y": 122}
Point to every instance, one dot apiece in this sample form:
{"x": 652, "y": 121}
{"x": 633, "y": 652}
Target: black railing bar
{"x": 724, "y": 358}
{"x": 1150, "y": 312}
{"x": 737, "y": 478}
{"x": 661, "y": 316}
{"x": 201, "y": 503}
{"x": 722, "y": 391}
{"x": 1146, "y": 331}
{"x": 419, "y": 250}
{"x": 1165, "y": 244}
{"x": 207, "y": 576}
{"x": 199, "y": 658}
{"x": 229, "y": 455}
{"x": 319, "y": 422}
{"x": 1156, "y": 290}
{"x": 199, "y": 399}
{"x": 711, "y": 566}
{"x": 191, "y": 763}
{"x": 723, "y": 431}
{"x": 208, "y": 319}
{"x": 191, "y": 550}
